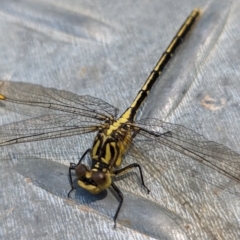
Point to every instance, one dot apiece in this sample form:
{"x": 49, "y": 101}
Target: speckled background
{"x": 106, "y": 49}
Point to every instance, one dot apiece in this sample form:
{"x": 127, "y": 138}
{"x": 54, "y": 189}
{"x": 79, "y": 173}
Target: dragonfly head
{"x": 92, "y": 180}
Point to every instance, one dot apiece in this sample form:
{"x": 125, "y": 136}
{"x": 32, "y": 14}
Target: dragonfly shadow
{"x": 53, "y": 177}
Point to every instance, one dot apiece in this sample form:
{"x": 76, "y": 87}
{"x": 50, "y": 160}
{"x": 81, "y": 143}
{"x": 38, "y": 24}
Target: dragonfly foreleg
{"x": 72, "y": 167}
{"x": 120, "y": 203}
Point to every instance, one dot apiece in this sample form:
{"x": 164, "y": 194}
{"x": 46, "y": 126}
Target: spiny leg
{"x": 120, "y": 195}
{"x": 128, "y": 168}
{"x": 72, "y": 167}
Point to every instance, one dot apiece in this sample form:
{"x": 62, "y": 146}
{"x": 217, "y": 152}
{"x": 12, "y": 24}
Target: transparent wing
{"x": 188, "y": 175}
{"x": 185, "y": 141}
{"x": 36, "y": 95}
{"x": 46, "y": 127}
{"x": 188, "y": 188}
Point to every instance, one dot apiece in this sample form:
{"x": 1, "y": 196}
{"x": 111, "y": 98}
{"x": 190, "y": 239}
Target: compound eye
{"x": 80, "y": 170}
{"x": 99, "y": 177}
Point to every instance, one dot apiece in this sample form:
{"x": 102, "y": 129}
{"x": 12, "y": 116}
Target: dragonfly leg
{"x": 82, "y": 157}
{"x": 120, "y": 195}
{"x": 129, "y": 167}
{"x": 72, "y": 167}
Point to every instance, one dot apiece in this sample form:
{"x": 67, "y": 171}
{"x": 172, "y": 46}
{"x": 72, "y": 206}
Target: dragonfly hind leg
{"x": 72, "y": 167}
{"x": 128, "y": 168}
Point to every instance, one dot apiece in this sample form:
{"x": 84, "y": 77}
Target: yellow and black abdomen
{"x": 131, "y": 112}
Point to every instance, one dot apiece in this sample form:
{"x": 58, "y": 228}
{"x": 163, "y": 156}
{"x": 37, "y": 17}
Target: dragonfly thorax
{"x": 109, "y": 148}
{"x": 106, "y": 153}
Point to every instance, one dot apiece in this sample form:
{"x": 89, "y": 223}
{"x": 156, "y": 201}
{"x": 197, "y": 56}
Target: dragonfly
{"x": 116, "y": 137}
